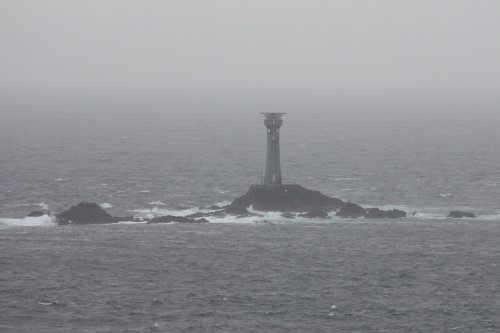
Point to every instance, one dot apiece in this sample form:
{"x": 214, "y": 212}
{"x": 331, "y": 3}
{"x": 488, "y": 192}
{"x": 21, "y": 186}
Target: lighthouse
{"x": 273, "y": 122}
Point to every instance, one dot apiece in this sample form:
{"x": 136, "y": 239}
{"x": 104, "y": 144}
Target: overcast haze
{"x": 255, "y": 47}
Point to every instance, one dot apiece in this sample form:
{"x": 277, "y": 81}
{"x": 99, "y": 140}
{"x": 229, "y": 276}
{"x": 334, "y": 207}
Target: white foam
{"x": 222, "y": 203}
{"x": 106, "y": 205}
{"x": 157, "y": 211}
{"x": 390, "y": 207}
{"x": 265, "y": 217}
{"x": 233, "y": 219}
{"x": 428, "y": 216}
{"x": 219, "y": 190}
{"x": 431, "y": 213}
{"x": 42, "y": 205}
{"x": 131, "y": 222}
{"x": 38, "y": 221}
{"x": 157, "y": 203}
{"x": 490, "y": 217}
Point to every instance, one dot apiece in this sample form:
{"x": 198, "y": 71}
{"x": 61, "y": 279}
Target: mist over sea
{"x": 424, "y": 273}
{"x": 429, "y": 156}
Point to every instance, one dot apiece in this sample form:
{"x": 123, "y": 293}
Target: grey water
{"x": 425, "y": 273}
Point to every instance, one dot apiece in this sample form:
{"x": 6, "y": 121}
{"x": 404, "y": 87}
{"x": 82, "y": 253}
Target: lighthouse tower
{"x": 273, "y": 123}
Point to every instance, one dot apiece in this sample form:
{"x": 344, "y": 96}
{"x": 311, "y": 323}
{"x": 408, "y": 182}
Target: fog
{"x": 272, "y": 50}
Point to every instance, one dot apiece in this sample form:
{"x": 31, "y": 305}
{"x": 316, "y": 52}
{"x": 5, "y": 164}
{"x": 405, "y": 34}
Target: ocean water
{"x": 425, "y": 273}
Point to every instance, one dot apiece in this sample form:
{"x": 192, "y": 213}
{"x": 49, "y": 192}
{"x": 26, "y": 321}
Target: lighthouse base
{"x": 286, "y": 198}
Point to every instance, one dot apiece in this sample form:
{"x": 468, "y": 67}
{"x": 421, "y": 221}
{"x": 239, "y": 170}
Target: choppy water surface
{"x": 417, "y": 155}
{"x": 421, "y": 274}
{"x": 411, "y": 276}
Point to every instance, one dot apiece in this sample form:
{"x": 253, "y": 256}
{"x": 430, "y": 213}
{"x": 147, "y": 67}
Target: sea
{"x": 179, "y": 155}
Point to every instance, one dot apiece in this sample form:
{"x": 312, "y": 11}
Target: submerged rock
{"x": 37, "y": 213}
{"x": 458, "y": 215}
{"x": 376, "y": 213}
{"x": 125, "y": 219}
{"x": 178, "y": 219}
{"x": 319, "y": 214}
{"x": 84, "y": 213}
{"x": 351, "y": 210}
{"x": 207, "y": 214}
{"x": 285, "y": 198}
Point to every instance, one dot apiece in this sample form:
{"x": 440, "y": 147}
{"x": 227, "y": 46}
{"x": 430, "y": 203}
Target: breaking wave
{"x": 106, "y": 205}
{"x": 490, "y": 217}
{"x": 38, "y": 221}
{"x": 159, "y": 209}
{"x": 157, "y": 203}
{"x": 42, "y": 205}
{"x": 149, "y": 213}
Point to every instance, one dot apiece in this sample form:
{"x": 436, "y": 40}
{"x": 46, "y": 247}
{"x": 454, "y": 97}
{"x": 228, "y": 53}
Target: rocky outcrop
{"x": 291, "y": 200}
{"x": 178, "y": 219}
{"x": 84, "y": 213}
{"x": 351, "y": 210}
{"x": 458, "y": 215}
{"x": 285, "y": 198}
{"x": 92, "y": 213}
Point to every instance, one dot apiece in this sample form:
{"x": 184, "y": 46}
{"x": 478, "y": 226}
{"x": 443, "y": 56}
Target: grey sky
{"x": 256, "y": 45}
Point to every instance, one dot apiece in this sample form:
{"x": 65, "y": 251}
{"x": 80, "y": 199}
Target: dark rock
{"x": 125, "y": 219}
{"x": 285, "y": 198}
{"x": 354, "y": 211}
{"x": 351, "y": 210}
{"x": 288, "y": 215}
{"x": 315, "y": 215}
{"x": 376, "y": 213}
{"x": 37, "y": 213}
{"x": 240, "y": 212}
{"x": 236, "y": 210}
{"x": 219, "y": 213}
{"x": 458, "y": 215}
{"x": 178, "y": 219}
{"x": 199, "y": 214}
{"x": 84, "y": 213}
